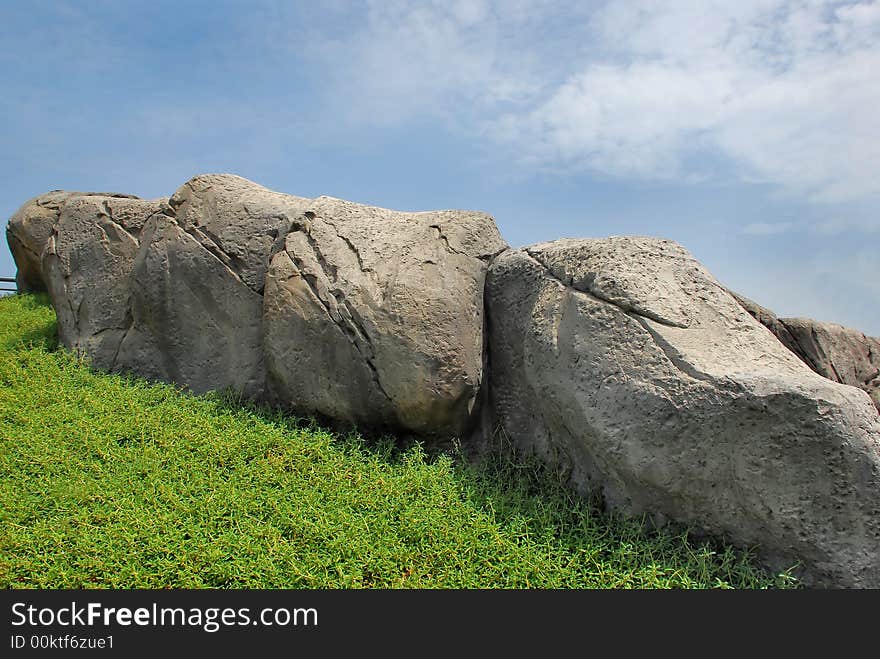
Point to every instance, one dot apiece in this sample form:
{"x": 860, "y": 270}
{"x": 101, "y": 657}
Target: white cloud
{"x": 787, "y": 91}
{"x": 779, "y": 91}
{"x": 434, "y": 58}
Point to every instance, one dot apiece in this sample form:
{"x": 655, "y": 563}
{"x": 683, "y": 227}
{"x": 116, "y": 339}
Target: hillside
{"x": 111, "y": 482}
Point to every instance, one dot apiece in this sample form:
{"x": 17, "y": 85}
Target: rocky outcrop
{"x": 833, "y": 351}
{"x": 394, "y": 301}
{"x": 86, "y": 265}
{"x": 624, "y": 364}
{"x": 620, "y": 361}
{"x": 197, "y": 283}
{"x": 28, "y": 232}
{"x": 358, "y": 314}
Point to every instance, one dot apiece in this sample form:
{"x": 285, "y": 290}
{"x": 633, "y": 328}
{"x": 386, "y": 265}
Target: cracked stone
{"x": 386, "y": 319}
{"x": 833, "y": 351}
{"x": 87, "y": 265}
{"x": 705, "y": 418}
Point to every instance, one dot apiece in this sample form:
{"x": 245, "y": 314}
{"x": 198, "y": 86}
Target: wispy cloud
{"x": 409, "y": 60}
{"x": 786, "y": 91}
{"x": 783, "y": 92}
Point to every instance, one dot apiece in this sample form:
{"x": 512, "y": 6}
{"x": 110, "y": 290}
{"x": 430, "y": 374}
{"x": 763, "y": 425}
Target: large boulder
{"x": 839, "y": 353}
{"x": 86, "y": 265}
{"x": 197, "y": 284}
{"x": 375, "y": 317}
{"x": 623, "y": 363}
{"x": 28, "y": 232}
{"x": 362, "y": 315}
{"x": 833, "y": 351}
{"x": 159, "y": 288}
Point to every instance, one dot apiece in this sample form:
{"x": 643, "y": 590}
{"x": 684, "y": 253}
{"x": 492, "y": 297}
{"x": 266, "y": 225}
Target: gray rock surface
{"x": 86, "y": 265}
{"x": 238, "y": 221}
{"x": 624, "y": 364}
{"x": 197, "y": 282}
{"x": 156, "y": 287}
{"x": 833, "y": 351}
{"x": 839, "y": 353}
{"x": 194, "y": 322}
{"x": 375, "y": 317}
{"x": 362, "y": 315}
{"x": 28, "y": 232}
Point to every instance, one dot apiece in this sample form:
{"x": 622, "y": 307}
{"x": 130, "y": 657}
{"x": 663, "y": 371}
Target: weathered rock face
{"x": 393, "y": 301}
{"x": 839, "y": 353}
{"x": 363, "y": 315}
{"x": 193, "y": 321}
{"x": 624, "y": 363}
{"x": 620, "y": 361}
{"x": 238, "y": 221}
{"x": 197, "y": 283}
{"x": 833, "y": 351}
{"x": 86, "y": 265}
{"x": 29, "y": 230}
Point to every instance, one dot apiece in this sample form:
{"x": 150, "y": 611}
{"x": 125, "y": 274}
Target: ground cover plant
{"x": 107, "y": 481}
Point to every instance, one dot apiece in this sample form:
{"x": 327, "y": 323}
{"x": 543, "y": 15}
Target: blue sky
{"x": 748, "y": 131}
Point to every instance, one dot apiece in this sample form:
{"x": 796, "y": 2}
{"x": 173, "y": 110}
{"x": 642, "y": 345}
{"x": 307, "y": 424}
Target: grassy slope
{"x": 111, "y": 482}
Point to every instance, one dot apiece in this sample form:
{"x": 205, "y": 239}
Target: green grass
{"x": 111, "y": 482}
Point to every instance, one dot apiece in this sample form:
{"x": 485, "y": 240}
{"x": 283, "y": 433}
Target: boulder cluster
{"x": 621, "y": 361}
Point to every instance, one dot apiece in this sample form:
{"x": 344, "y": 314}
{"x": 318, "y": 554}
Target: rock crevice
{"x": 833, "y": 351}
{"x": 587, "y": 286}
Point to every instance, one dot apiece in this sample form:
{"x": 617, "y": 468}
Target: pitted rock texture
{"x": 86, "y": 265}
{"x": 362, "y": 315}
{"x": 28, "y": 232}
{"x": 196, "y": 285}
{"x": 392, "y": 300}
{"x": 833, "y": 351}
{"x": 624, "y": 364}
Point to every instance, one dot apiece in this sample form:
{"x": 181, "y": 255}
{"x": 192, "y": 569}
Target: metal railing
{"x": 8, "y": 280}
